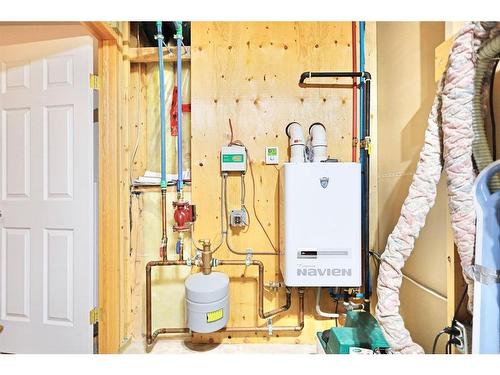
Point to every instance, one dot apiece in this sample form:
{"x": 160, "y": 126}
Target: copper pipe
{"x": 262, "y": 314}
{"x": 162, "y": 331}
{"x": 327, "y": 85}
{"x": 299, "y": 327}
{"x": 150, "y": 337}
{"x": 163, "y": 245}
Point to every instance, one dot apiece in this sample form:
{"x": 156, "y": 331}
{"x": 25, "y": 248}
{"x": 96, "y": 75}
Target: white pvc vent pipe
{"x": 297, "y": 144}
{"x": 317, "y": 131}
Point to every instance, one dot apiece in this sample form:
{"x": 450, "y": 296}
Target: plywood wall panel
{"x": 249, "y": 72}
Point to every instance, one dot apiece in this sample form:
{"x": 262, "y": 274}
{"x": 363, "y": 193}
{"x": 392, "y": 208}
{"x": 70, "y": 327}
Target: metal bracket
{"x": 248, "y": 259}
{"x": 366, "y": 144}
{"x": 270, "y": 326}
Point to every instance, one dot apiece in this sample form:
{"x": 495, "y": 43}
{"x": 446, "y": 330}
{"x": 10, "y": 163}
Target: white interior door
{"x": 47, "y": 204}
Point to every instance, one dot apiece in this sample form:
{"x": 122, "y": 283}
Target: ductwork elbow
{"x": 317, "y": 131}
{"x": 297, "y": 144}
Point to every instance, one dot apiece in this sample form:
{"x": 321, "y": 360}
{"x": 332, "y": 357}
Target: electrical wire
{"x": 460, "y": 303}
{"x": 222, "y": 231}
{"x": 436, "y": 294}
{"x": 234, "y": 142}
{"x": 228, "y": 244}
{"x": 254, "y": 206}
{"x": 242, "y": 202}
{"x": 139, "y": 125}
{"x": 442, "y": 332}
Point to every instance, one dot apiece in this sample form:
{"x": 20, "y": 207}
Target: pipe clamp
{"x": 248, "y": 259}
{"x": 270, "y": 326}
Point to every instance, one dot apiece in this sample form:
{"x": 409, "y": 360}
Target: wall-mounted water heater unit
{"x": 320, "y": 224}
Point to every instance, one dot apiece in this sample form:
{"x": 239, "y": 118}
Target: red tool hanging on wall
{"x": 173, "y": 112}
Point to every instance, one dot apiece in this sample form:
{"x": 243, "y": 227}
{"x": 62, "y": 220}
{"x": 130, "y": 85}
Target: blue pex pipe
{"x": 163, "y": 154}
{"x": 362, "y": 156}
{"x": 178, "y": 37}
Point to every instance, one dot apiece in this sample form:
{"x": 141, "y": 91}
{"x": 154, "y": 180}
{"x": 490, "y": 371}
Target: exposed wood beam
{"x": 101, "y": 30}
{"x": 150, "y": 54}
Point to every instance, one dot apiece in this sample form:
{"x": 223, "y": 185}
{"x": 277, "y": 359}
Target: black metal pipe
{"x": 366, "y": 176}
{"x": 306, "y": 75}
{"x": 365, "y": 173}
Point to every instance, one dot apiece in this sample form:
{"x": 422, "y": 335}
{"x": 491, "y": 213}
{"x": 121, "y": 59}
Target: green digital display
{"x": 232, "y": 158}
{"x": 272, "y": 151}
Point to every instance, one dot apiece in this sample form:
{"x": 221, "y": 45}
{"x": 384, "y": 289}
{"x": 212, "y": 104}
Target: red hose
{"x": 354, "y": 97}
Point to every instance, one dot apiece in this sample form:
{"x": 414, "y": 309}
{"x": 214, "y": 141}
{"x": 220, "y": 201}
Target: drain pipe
{"x": 163, "y": 154}
{"x": 297, "y": 143}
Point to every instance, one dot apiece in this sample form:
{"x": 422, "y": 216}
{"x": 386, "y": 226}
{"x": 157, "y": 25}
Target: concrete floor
{"x": 179, "y": 346}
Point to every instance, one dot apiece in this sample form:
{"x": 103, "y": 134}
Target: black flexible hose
{"x": 492, "y": 110}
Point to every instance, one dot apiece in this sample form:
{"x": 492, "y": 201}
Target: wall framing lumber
{"x": 109, "y": 213}
{"x": 101, "y": 30}
{"x": 150, "y": 54}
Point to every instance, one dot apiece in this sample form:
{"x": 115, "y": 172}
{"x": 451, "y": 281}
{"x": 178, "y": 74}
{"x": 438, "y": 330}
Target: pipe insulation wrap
{"x": 297, "y": 142}
{"x": 317, "y": 131}
{"x": 448, "y": 143}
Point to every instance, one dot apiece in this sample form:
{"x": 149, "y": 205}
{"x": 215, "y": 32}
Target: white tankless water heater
{"x": 320, "y": 224}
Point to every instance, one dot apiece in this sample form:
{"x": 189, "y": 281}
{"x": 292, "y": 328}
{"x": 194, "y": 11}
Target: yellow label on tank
{"x": 213, "y": 316}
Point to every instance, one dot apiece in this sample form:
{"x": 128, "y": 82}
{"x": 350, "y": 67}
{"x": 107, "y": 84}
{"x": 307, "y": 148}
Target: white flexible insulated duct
{"x": 317, "y": 131}
{"x": 296, "y": 138}
{"x": 448, "y": 143}
{"x": 485, "y": 64}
